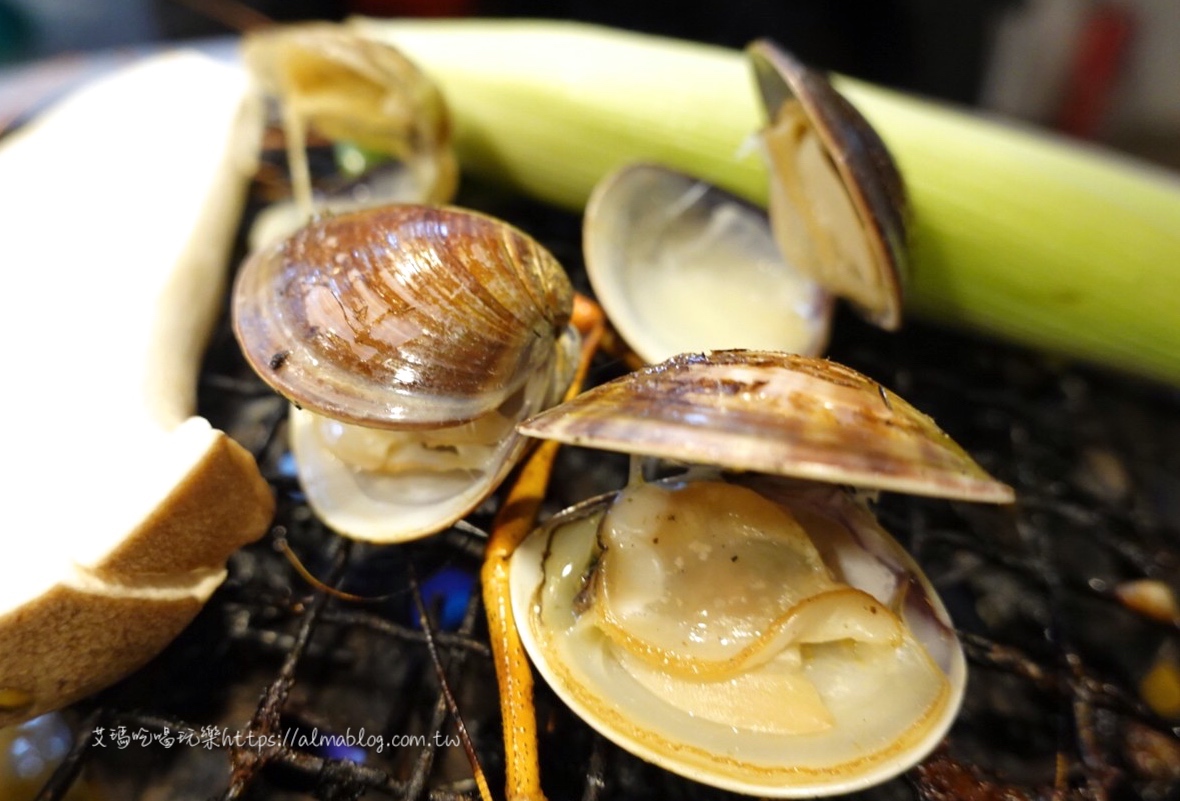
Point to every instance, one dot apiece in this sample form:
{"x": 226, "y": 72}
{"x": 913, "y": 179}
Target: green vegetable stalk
{"x": 1016, "y": 233}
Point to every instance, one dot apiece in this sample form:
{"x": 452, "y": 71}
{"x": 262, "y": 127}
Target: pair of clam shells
{"x": 748, "y": 623}
{"x": 680, "y": 265}
{"x": 767, "y": 637}
{"x": 411, "y": 340}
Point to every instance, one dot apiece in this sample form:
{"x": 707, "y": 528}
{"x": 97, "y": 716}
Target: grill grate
{"x": 1053, "y": 707}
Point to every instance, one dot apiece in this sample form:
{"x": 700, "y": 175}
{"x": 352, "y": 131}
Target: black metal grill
{"x": 1053, "y": 707}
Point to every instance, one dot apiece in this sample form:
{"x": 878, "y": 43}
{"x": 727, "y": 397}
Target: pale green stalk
{"x": 1025, "y": 236}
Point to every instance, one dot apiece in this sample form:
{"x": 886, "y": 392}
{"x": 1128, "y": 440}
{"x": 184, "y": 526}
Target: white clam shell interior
{"x": 837, "y": 199}
{"x": 355, "y": 495}
{"x": 869, "y": 744}
{"x": 680, "y": 265}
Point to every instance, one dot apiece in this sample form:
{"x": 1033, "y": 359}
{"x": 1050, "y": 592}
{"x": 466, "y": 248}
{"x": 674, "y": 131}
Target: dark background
{"x": 929, "y": 46}
{"x": 1103, "y": 70}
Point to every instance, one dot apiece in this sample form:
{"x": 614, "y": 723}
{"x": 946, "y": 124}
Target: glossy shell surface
{"x": 679, "y": 265}
{"x": 773, "y": 413}
{"x": 410, "y": 340}
{"x": 401, "y": 315}
{"x": 840, "y": 677}
{"x": 865, "y": 169}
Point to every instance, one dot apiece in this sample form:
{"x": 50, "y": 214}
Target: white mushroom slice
{"x": 120, "y": 206}
{"x": 680, "y": 266}
{"x": 718, "y": 644}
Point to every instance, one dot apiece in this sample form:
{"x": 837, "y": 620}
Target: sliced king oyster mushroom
{"x": 120, "y": 205}
{"x": 410, "y": 340}
{"x": 680, "y": 265}
{"x": 756, "y": 631}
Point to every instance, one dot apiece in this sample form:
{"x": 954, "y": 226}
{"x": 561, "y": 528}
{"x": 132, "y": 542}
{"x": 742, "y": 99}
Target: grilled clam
{"x": 747, "y": 623}
{"x": 837, "y": 201}
{"x": 411, "y": 340}
{"x": 680, "y": 265}
{"x": 385, "y": 120}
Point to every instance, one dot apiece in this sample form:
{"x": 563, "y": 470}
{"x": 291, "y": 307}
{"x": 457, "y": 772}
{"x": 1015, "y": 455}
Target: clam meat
{"x": 747, "y": 622}
{"x": 410, "y": 340}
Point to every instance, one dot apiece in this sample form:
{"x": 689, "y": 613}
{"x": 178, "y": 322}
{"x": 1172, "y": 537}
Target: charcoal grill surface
{"x": 1053, "y": 708}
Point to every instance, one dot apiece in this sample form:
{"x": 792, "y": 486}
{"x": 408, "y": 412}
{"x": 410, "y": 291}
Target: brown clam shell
{"x": 862, "y": 160}
{"x": 775, "y": 413}
{"x": 401, "y": 315}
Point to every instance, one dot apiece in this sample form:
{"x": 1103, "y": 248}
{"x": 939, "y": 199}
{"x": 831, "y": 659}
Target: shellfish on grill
{"x": 410, "y": 340}
{"x": 384, "y": 121}
{"x": 680, "y": 265}
{"x": 748, "y": 623}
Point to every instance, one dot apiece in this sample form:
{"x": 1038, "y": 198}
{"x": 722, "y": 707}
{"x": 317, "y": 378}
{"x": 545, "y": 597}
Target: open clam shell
{"x": 837, "y": 201}
{"x": 744, "y": 624}
{"x": 411, "y": 340}
{"x": 680, "y": 265}
{"x": 391, "y": 486}
{"x": 775, "y": 413}
{"x": 849, "y": 671}
{"x": 328, "y": 84}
